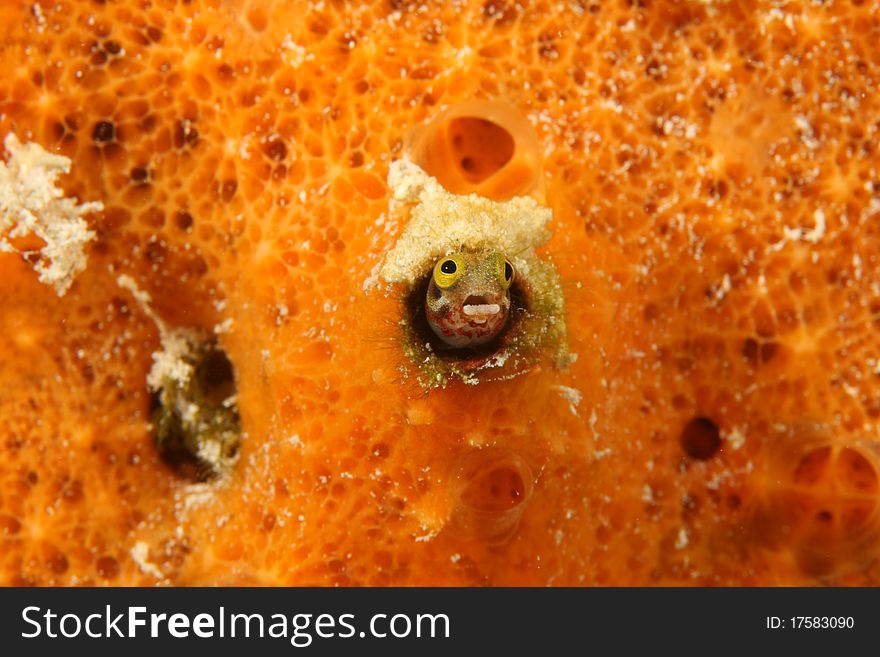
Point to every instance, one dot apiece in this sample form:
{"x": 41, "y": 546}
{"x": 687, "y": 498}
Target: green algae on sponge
{"x": 441, "y": 222}
{"x": 195, "y": 419}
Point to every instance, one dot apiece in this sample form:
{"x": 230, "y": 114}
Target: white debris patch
{"x": 813, "y": 235}
{"x": 805, "y": 131}
{"x": 600, "y": 454}
{"x": 442, "y": 222}
{"x": 735, "y": 438}
{"x": 142, "y": 297}
{"x": 682, "y": 539}
{"x": 292, "y": 53}
{"x": 199, "y": 495}
{"x": 140, "y": 554}
{"x": 173, "y": 362}
{"x": 32, "y": 204}
{"x": 818, "y": 232}
{"x": 573, "y": 396}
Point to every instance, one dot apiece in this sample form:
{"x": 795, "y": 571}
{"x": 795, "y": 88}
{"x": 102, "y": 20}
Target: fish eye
{"x": 505, "y": 272}
{"x": 448, "y": 271}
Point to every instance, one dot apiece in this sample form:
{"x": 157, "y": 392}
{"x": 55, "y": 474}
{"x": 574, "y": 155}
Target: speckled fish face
{"x": 468, "y": 298}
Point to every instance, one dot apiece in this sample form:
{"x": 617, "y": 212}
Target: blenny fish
{"x": 468, "y": 298}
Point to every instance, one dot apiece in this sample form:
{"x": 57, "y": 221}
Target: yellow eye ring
{"x": 506, "y": 272}
{"x": 448, "y": 271}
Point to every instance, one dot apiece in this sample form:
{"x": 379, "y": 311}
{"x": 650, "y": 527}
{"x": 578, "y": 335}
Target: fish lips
{"x": 482, "y": 308}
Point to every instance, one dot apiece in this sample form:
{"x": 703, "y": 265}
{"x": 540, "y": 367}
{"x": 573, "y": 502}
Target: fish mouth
{"x": 479, "y": 308}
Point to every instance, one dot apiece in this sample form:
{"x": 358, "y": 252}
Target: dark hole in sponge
{"x": 482, "y": 147}
{"x": 174, "y": 449}
{"x": 700, "y": 438}
{"x": 824, "y": 516}
{"x": 216, "y": 376}
{"x": 858, "y": 472}
{"x": 181, "y": 441}
{"x": 414, "y": 305}
{"x": 103, "y": 132}
{"x": 813, "y": 466}
{"x": 491, "y": 487}
{"x": 498, "y": 489}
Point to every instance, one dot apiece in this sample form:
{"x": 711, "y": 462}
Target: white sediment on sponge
{"x": 140, "y": 554}
{"x": 31, "y": 204}
{"x": 173, "y": 362}
{"x": 442, "y": 222}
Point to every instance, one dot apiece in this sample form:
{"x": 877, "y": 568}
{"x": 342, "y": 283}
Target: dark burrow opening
{"x": 491, "y": 487}
{"x": 414, "y": 305}
{"x": 480, "y": 147}
{"x": 196, "y": 423}
{"x": 701, "y": 438}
